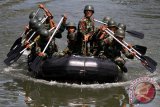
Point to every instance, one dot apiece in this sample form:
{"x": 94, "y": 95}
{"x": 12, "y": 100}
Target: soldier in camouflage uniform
{"x": 86, "y": 29}
{"x": 114, "y": 49}
{"x": 99, "y": 36}
{"x": 72, "y": 47}
{"x": 42, "y": 42}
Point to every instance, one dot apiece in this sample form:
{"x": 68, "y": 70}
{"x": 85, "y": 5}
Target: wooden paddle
{"x": 39, "y": 60}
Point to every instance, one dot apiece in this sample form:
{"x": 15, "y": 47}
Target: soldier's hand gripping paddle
{"x": 39, "y": 60}
{"x": 18, "y": 42}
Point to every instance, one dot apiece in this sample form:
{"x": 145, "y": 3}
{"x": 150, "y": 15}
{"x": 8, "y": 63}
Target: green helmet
{"x": 44, "y": 33}
{"x": 39, "y": 18}
{"x": 121, "y": 26}
{"x": 32, "y": 15}
{"x": 89, "y": 7}
{"x": 112, "y": 23}
{"x": 38, "y": 26}
{"x": 106, "y": 19}
{"x": 120, "y": 33}
{"x": 32, "y": 23}
{"x": 71, "y": 24}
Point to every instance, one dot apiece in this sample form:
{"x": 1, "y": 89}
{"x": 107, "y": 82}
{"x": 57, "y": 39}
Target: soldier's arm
{"x": 127, "y": 53}
{"x": 82, "y": 27}
{"x": 108, "y": 40}
{"x": 49, "y": 14}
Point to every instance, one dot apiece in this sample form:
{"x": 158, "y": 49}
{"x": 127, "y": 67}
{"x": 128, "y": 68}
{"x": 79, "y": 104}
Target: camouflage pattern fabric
{"x": 85, "y": 27}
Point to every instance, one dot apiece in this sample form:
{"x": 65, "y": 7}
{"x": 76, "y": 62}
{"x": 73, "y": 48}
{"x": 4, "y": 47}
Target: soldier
{"x": 35, "y": 27}
{"x": 99, "y": 37}
{"x": 86, "y": 28}
{"x": 72, "y": 47}
{"x": 114, "y": 50}
{"x": 42, "y": 42}
{"x": 121, "y": 26}
{"x": 32, "y": 15}
{"x": 112, "y": 25}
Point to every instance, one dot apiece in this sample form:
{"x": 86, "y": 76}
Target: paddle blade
{"x": 150, "y": 60}
{"x": 36, "y": 65}
{"x": 13, "y": 58}
{"x": 149, "y": 63}
{"x": 17, "y": 42}
{"x": 135, "y": 34}
{"x": 140, "y": 49}
{"x": 14, "y": 50}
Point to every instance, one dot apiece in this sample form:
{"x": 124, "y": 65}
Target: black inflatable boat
{"x": 80, "y": 68}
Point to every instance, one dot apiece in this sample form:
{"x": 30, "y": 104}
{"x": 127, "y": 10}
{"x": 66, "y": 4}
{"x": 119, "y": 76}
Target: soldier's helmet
{"x": 120, "y": 33}
{"x": 106, "y": 19}
{"x": 71, "y": 24}
{"x": 38, "y": 26}
{"x": 39, "y": 18}
{"x": 121, "y": 26}
{"x": 89, "y": 7}
{"x": 32, "y": 15}
{"x": 32, "y": 23}
{"x": 44, "y": 33}
{"x": 112, "y": 23}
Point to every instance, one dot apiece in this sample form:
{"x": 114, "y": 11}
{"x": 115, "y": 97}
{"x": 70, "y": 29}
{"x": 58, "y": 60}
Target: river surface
{"x": 19, "y": 89}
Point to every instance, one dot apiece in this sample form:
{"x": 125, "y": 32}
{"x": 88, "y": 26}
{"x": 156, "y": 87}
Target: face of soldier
{"x": 119, "y": 38}
{"x": 71, "y": 29}
{"x": 88, "y": 13}
{"x": 113, "y": 29}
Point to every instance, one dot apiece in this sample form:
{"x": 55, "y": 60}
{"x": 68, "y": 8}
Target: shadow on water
{"x": 40, "y": 94}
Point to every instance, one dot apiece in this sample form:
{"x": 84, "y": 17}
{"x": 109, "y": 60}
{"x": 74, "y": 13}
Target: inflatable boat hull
{"x": 80, "y": 68}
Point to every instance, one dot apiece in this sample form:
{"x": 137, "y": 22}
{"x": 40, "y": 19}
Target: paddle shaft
{"x": 53, "y": 34}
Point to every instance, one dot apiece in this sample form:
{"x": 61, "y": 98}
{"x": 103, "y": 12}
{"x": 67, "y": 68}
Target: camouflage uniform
{"x": 100, "y": 38}
{"x": 72, "y": 47}
{"x": 85, "y": 26}
{"x": 50, "y": 49}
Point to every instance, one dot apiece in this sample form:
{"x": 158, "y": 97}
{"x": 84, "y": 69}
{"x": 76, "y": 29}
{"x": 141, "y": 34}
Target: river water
{"x": 19, "y": 89}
